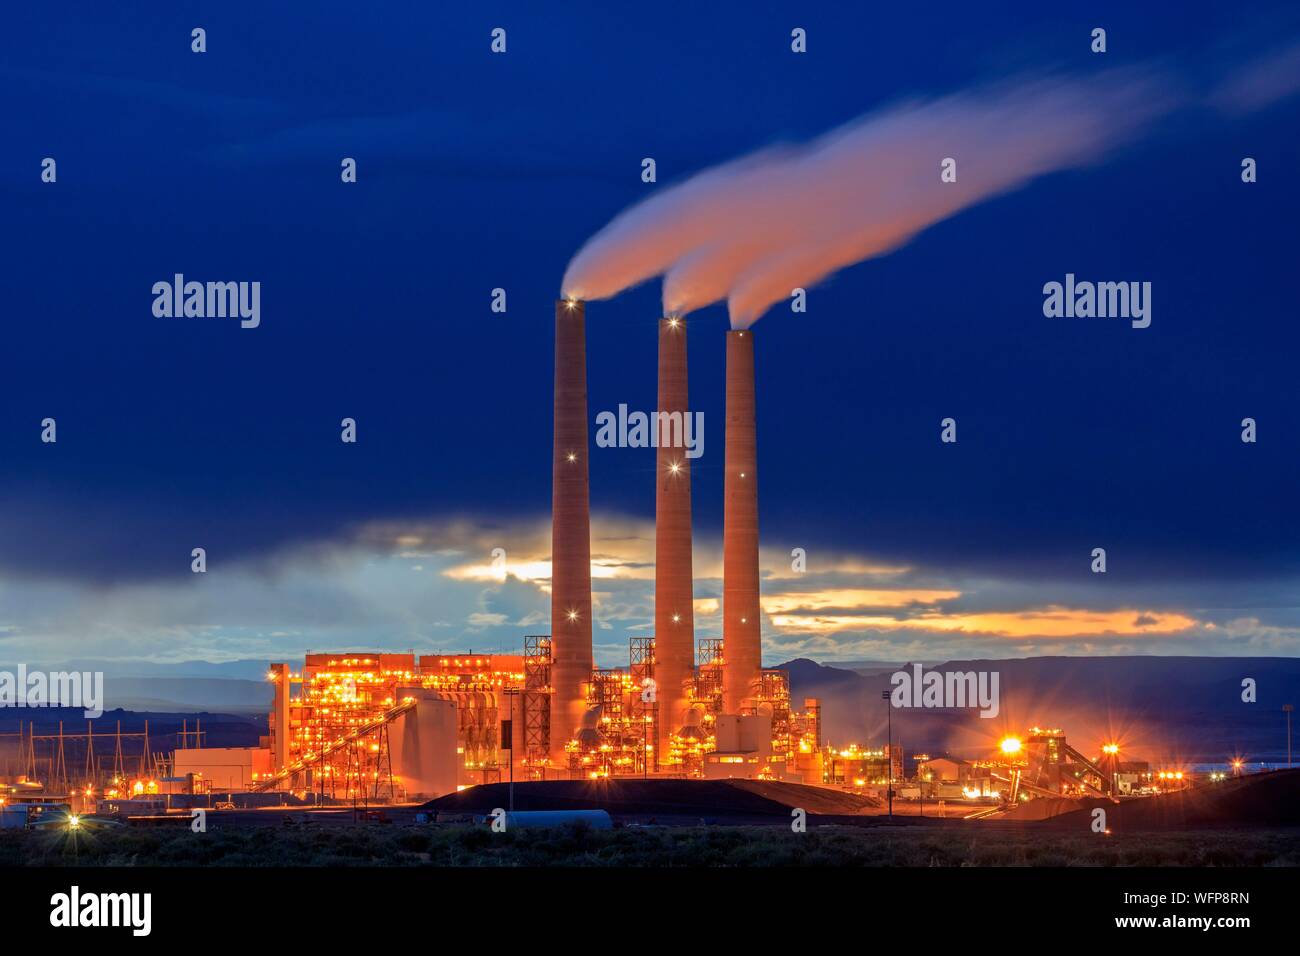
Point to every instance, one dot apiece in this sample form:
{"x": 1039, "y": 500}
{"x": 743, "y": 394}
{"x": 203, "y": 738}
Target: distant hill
{"x": 1185, "y": 709}
{"x": 868, "y": 668}
{"x": 252, "y": 670}
{"x": 219, "y": 730}
{"x": 238, "y": 686}
{"x": 180, "y": 694}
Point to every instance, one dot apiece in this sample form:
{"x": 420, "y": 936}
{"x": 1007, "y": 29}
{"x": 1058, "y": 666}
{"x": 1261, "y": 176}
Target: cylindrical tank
{"x": 596, "y": 819}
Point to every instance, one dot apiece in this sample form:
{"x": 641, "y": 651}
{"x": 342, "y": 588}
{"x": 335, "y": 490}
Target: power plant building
{"x": 373, "y": 727}
{"x": 396, "y": 726}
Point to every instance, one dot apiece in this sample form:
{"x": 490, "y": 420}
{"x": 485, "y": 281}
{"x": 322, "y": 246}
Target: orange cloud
{"x": 854, "y": 598}
{"x": 1052, "y": 621}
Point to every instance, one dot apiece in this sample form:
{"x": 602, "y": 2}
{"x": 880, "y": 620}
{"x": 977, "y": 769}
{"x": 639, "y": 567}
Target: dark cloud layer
{"x": 1073, "y": 434}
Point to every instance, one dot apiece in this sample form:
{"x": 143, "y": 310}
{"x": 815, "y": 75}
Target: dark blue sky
{"x": 478, "y": 171}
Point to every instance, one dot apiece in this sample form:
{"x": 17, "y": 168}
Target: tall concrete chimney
{"x": 674, "y": 595}
{"x": 741, "y": 641}
{"x": 571, "y": 659}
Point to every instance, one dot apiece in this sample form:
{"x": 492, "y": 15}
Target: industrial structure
{"x": 674, "y": 628}
{"x": 1041, "y": 763}
{"x": 570, "y": 657}
{"x": 741, "y": 620}
{"x": 84, "y": 764}
{"x": 372, "y": 727}
{"x": 389, "y": 726}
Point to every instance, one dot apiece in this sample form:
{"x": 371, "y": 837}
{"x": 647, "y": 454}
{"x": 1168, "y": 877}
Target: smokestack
{"x": 571, "y": 660}
{"x": 674, "y": 612}
{"x": 741, "y": 642}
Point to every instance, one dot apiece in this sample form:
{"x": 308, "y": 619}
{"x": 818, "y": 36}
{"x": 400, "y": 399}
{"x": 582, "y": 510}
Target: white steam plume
{"x": 752, "y": 230}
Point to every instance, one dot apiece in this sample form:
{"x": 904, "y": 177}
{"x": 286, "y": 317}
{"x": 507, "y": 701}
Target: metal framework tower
{"x": 537, "y": 701}
{"x": 709, "y": 669}
{"x": 645, "y": 708}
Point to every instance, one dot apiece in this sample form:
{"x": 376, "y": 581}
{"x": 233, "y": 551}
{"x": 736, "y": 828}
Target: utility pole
{"x": 90, "y": 753}
{"x": 889, "y": 750}
{"x": 511, "y": 695}
{"x": 119, "y": 762}
{"x": 1286, "y": 709}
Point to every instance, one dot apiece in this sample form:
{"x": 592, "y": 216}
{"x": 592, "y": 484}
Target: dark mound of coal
{"x": 694, "y": 798}
{"x": 1257, "y": 800}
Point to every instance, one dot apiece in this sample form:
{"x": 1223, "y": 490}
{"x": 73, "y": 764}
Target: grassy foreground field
{"x": 717, "y": 846}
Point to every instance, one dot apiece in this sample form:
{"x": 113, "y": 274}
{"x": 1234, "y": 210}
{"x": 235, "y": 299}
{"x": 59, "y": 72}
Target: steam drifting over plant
{"x": 752, "y": 230}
